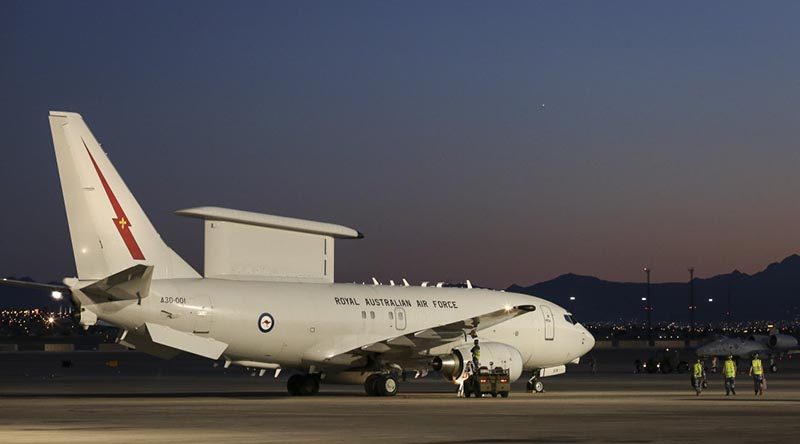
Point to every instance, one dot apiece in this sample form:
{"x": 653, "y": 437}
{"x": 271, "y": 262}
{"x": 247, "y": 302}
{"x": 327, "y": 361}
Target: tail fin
{"x": 109, "y": 230}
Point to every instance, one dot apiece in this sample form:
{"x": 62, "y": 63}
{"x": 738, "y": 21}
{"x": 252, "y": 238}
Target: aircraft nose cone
{"x": 588, "y": 341}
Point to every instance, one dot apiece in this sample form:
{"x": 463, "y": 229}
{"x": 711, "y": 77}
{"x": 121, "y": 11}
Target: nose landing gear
{"x": 535, "y": 384}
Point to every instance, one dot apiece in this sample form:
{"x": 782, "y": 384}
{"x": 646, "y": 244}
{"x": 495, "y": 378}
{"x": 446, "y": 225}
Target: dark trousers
{"x": 730, "y": 386}
{"x": 758, "y": 383}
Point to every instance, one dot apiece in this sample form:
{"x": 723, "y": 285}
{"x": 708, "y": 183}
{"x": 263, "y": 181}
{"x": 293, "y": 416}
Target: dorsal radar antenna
{"x": 405, "y": 283}
{"x": 375, "y": 281}
{"x": 424, "y": 284}
{"x": 439, "y": 284}
{"x": 391, "y": 282}
{"x": 469, "y": 284}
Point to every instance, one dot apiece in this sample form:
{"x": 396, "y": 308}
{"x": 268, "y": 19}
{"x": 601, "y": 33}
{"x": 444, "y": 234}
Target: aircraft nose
{"x": 587, "y": 340}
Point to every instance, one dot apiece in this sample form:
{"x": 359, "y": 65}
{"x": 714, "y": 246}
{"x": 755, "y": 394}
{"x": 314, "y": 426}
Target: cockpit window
{"x": 570, "y": 318}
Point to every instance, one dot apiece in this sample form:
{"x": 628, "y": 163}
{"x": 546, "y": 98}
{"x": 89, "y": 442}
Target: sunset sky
{"x": 502, "y": 142}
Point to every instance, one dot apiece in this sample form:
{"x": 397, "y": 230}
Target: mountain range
{"x": 771, "y": 294}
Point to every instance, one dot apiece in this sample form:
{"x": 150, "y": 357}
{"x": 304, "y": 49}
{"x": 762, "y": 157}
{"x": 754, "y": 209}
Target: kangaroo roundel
{"x": 266, "y": 322}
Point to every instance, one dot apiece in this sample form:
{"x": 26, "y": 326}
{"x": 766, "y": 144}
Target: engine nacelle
{"x": 763, "y": 339}
{"x": 493, "y": 354}
{"x": 781, "y": 341}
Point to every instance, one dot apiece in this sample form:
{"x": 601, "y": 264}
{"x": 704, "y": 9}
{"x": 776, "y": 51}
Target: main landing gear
{"x": 535, "y": 384}
{"x": 303, "y": 385}
{"x": 381, "y": 385}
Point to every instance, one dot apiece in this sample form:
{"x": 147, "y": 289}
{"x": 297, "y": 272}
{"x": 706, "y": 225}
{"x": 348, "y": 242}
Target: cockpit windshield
{"x": 570, "y": 318}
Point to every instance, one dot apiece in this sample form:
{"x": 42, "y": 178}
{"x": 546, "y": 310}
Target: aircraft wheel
{"x": 494, "y": 394}
{"x": 504, "y": 394}
{"x": 773, "y": 368}
{"x": 293, "y": 384}
{"x": 387, "y": 385}
{"x": 309, "y": 385}
{"x": 370, "y": 385}
{"x": 538, "y": 386}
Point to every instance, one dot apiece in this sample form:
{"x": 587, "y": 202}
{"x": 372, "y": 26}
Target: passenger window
{"x": 372, "y": 315}
{"x": 391, "y": 315}
{"x": 363, "y": 315}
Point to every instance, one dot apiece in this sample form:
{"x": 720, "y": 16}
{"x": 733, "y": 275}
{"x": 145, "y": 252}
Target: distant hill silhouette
{"x": 772, "y": 294}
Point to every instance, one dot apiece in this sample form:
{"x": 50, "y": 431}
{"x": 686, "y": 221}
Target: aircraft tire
{"x": 293, "y": 384}
{"x": 773, "y": 368}
{"x": 309, "y": 385}
{"x": 538, "y": 386}
{"x": 504, "y": 394}
{"x": 370, "y": 385}
{"x": 387, "y": 385}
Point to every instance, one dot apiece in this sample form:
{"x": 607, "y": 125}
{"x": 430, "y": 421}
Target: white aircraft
{"x": 267, "y": 298}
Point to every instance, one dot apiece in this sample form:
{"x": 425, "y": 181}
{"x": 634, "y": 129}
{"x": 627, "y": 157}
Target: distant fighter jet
{"x": 772, "y": 346}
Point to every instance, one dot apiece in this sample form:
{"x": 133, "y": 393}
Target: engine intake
{"x": 781, "y": 341}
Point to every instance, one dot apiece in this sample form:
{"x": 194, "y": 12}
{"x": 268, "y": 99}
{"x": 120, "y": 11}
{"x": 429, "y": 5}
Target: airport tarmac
{"x": 189, "y": 401}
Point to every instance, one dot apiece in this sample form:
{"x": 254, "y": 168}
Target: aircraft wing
{"x": 165, "y": 342}
{"x": 420, "y": 341}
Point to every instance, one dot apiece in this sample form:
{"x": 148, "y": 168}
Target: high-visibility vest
{"x": 730, "y": 369}
{"x": 757, "y": 368}
{"x": 698, "y": 370}
{"x": 476, "y": 352}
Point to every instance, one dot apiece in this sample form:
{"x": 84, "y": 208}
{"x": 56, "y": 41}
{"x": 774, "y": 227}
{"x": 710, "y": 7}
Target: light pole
{"x": 692, "y": 306}
{"x": 649, "y": 309}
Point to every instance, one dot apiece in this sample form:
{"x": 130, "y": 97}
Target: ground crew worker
{"x": 464, "y": 378}
{"x": 757, "y": 372}
{"x": 698, "y": 376}
{"x": 729, "y": 371}
{"x": 476, "y": 355}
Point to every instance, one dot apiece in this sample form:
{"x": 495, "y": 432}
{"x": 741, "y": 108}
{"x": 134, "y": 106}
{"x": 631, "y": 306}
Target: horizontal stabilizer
{"x": 130, "y": 284}
{"x": 35, "y": 285}
{"x": 205, "y": 347}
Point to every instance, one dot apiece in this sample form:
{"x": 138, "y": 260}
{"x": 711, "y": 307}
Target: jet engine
{"x": 764, "y": 339}
{"x": 493, "y": 354}
{"x": 781, "y": 341}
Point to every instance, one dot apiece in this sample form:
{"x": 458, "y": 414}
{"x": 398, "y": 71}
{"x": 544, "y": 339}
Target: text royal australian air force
{"x": 387, "y": 302}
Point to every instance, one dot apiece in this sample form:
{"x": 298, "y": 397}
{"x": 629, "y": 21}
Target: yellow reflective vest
{"x": 730, "y": 369}
{"x": 758, "y": 369}
{"x": 698, "y": 370}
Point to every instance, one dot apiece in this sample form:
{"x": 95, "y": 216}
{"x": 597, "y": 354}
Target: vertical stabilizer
{"x": 109, "y": 230}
